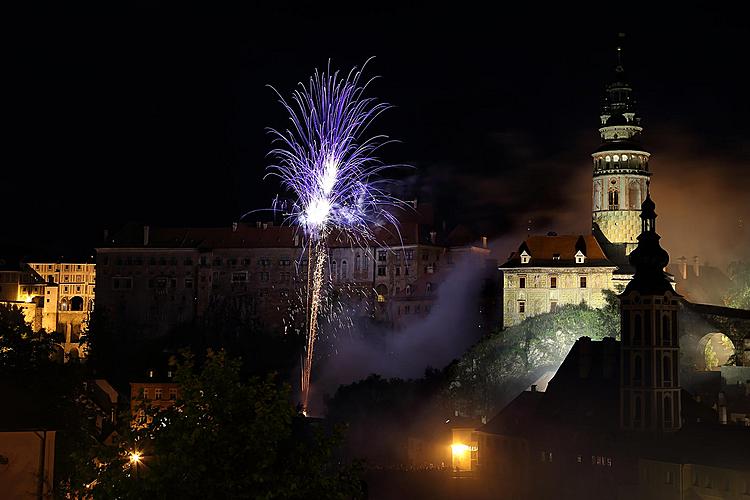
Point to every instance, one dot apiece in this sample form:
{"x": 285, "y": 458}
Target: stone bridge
{"x": 721, "y": 326}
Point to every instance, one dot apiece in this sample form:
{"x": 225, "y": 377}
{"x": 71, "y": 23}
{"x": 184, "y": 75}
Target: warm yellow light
{"x": 459, "y": 448}
{"x": 135, "y": 457}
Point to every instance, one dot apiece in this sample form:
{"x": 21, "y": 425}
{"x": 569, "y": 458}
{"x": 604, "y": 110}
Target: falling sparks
{"x": 333, "y": 173}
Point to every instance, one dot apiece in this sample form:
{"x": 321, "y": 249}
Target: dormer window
{"x": 555, "y": 256}
{"x": 580, "y": 258}
{"x": 525, "y": 257}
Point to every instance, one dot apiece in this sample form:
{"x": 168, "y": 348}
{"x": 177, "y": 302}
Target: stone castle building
{"x": 549, "y": 271}
{"x": 158, "y": 278}
{"x": 57, "y": 296}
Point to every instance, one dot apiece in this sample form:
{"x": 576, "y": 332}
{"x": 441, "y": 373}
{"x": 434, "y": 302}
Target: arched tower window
{"x": 357, "y": 264}
{"x": 637, "y": 329}
{"x": 344, "y": 269}
{"x": 666, "y": 334}
{"x": 614, "y": 198}
{"x": 597, "y": 195}
{"x": 637, "y": 370}
{"x": 634, "y": 195}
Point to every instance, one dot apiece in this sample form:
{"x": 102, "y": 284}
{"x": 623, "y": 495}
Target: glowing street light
{"x": 135, "y": 458}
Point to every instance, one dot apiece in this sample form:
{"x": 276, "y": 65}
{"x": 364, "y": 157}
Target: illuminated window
{"x": 525, "y": 257}
{"x": 146, "y": 393}
{"x": 616, "y": 157}
{"x": 580, "y": 258}
{"x": 624, "y": 157}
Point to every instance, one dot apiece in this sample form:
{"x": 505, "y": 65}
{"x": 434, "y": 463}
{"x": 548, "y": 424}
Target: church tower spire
{"x": 620, "y": 163}
{"x": 649, "y": 371}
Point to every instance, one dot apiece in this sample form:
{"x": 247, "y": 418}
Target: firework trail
{"x": 323, "y": 159}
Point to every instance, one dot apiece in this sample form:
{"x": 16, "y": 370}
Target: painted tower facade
{"x": 649, "y": 364}
{"x": 620, "y": 165}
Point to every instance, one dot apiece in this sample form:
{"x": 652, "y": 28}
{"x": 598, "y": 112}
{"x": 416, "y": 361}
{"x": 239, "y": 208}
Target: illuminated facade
{"x": 550, "y": 271}
{"x": 619, "y": 186}
{"x": 54, "y": 296}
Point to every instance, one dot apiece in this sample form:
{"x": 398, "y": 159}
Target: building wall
{"x": 659, "y": 480}
{"x": 23, "y": 454}
{"x": 538, "y": 296}
{"x": 620, "y": 226}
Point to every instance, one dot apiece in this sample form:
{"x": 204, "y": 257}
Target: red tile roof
{"x": 559, "y": 251}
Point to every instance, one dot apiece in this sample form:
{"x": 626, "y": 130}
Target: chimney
{"x": 683, "y": 267}
{"x": 484, "y": 242}
{"x": 433, "y": 237}
{"x": 234, "y": 227}
{"x": 696, "y": 266}
{"x": 145, "y": 235}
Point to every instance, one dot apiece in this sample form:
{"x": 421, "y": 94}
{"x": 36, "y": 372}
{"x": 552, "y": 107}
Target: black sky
{"x": 157, "y": 115}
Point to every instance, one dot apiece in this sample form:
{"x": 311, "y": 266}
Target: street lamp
{"x": 135, "y": 460}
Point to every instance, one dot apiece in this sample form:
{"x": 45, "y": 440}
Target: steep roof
{"x": 559, "y": 251}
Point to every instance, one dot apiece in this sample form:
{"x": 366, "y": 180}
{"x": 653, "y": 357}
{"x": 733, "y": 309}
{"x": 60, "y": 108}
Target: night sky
{"x": 157, "y": 116}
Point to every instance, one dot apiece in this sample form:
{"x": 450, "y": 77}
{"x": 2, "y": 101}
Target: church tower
{"x": 649, "y": 364}
{"x": 620, "y": 165}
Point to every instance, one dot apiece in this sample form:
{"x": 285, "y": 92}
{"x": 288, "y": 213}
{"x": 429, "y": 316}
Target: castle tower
{"x": 649, "y": 365}
{"x": 620, "y": 165}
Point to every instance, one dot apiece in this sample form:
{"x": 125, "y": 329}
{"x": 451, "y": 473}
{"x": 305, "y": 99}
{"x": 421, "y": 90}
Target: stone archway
{"x": 714, "y": 351}
{"x": 76, "y": 303}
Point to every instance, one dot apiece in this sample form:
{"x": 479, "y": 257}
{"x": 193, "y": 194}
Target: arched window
{"x": 64, "y": 304}
{"x": 637, "y": 329}
{"x": 614, "y": 199}
{"x": 344, "y": 269}
{"x": 76, "y": 303}
{"x": 637, "y": 412}
{"x": 634, "y": 195}
{"x": 358, "y": 264}
{"x": 666, "y": 334}
{"x": 608, "y": 160}
{"x": 667, "y": 365}
{"x": 637, "y": 370}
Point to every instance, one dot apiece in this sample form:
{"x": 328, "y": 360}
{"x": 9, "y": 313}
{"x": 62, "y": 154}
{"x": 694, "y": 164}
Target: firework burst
{"x": 324, "y": 159}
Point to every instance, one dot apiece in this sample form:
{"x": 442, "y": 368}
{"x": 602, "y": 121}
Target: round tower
{"x": 620, "y": 165}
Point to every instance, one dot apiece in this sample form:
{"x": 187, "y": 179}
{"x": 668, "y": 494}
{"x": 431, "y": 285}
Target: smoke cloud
{"x": 433, "y": 341}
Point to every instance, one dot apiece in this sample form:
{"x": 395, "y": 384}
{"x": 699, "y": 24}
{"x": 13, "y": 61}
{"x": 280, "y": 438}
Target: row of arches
{"x": 75, "y": 303}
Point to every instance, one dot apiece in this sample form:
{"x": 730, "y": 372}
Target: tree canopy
{"x": 739, "y": 294}
{"x": 495, "y": 369}
{"x": 226, "y": 438}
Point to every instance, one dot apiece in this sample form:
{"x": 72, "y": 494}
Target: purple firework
{"x": 324, "y": 160}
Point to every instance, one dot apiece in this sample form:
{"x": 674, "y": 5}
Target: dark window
{"x": 522, "y": 282}
{"x": 521, "y": 306}
{"x": 553, "y": 282}
{"x": 381, "y": 270}
{"x": 553, "y": 306}
{"x": 583, "y": 281}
